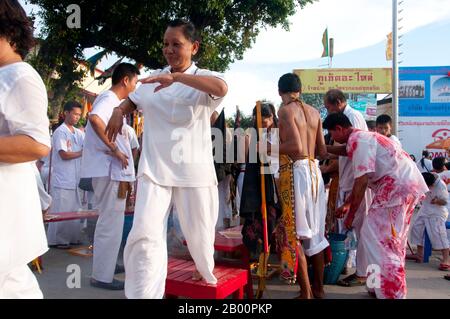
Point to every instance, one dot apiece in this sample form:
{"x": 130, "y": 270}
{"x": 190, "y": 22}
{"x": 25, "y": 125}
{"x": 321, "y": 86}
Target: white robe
{"x": 310, "y": 206}
{"x": 65, "y": 232}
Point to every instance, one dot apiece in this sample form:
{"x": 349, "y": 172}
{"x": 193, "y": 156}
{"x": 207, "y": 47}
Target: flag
{"x": 389, "y": 47}
{"x": 325, "y": 43}
{"x": 87, "y": 107}
{"x": 94, "y": 60}
{"x": 108, "y": 72}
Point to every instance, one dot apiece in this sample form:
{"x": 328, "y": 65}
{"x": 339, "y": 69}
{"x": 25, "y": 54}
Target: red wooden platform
{"x": 230, "y": 281}
{"x": 229, "y": 245}
{"x": 65, "y": 216}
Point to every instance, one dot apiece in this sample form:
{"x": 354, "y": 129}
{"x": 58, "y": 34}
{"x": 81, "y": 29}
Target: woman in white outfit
{"x": 176, "y": 163}
{"x": 24, "y": 138}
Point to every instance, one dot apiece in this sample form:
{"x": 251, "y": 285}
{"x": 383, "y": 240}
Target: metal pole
{"x": 395, "y": 65}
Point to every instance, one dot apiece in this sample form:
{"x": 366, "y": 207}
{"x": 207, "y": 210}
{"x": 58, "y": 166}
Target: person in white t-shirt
{"x": 24, "y": 138}
{"x": 67, "y": 146}
{"x": 335, "y": 102}
{"x": 384, "y": 127}
{"x": 425, "y": 164}
{"x": 176, "y": 163}
{"x": 432, "y": 216}
{"x": 440, "y": 167}
{"x": 111, "y": 166}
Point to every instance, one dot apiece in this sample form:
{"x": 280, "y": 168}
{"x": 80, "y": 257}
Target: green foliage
{"x": 246, "y": 121}
{"x": 315, "y": 100}
{"x": 135, "y": 29}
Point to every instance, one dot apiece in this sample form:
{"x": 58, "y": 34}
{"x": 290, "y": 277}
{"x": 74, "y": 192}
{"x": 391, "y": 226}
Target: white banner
{"x": 417, "y": 132}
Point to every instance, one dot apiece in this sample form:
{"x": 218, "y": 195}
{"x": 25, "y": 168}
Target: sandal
{"x": 351, "y": 281}
{"x": 444, "y": 267}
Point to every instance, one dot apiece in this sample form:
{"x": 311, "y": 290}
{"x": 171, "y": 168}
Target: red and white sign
{"x": 416, "y": 133}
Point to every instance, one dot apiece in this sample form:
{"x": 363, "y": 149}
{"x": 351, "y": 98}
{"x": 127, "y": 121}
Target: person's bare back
{"x": 301, "y": 131}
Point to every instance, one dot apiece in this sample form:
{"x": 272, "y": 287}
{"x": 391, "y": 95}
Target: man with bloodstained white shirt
{"x": 380, "y": 164}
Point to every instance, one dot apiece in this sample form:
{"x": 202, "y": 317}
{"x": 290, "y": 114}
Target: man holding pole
{"x": 301, "y": 138}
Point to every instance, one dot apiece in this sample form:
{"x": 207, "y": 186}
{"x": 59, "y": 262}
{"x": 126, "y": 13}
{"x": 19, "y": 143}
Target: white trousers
{"x": 145, "y": 254}
{"x": 359, "y": 256}
{"x": 225, "y": 208}
{"x": 19, "y": 283}
{"x": 109, "y": 228}
{"x": 64, "y": 233}
{"x": 435, "y": 226}
{"x": 310, "y": 206}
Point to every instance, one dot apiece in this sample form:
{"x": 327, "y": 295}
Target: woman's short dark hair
{"x": 189, "y": 29}
{"x": 336, "y": 119}
{"x": 16, "y": 27}
{"x": 289, "y": 82}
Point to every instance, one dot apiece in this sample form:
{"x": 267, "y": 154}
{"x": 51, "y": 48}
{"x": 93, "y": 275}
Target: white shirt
{"x": 428, "y": 166}
{"x": 445, "y": 177}
{"x": 134, "y": 142}
{"x": 437, "y": 190}
{"x": 346, "y": 178}
{"x": 66, "y": 173}
{"x": 395, "y": 139}
{"x": 95, "y": 160}
{"x": 177, "y": 147}
{"x": 391, "y": 173}
{"x": 23, "y": 110}
{"x": 273, "y": 159}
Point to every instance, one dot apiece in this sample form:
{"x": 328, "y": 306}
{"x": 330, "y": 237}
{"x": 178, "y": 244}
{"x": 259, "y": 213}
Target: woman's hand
{"x": 164, "y": 80}
{"x": 115, "y": 124}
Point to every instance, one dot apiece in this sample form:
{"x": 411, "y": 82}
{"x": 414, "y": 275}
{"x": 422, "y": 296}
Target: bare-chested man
{"x": 301, "y": 139}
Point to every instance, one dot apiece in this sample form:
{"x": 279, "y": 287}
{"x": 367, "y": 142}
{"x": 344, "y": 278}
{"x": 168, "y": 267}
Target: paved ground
{"x": 423, "y": 280}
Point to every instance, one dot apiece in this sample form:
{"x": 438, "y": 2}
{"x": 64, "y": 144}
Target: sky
{"x": 354, "y": 24}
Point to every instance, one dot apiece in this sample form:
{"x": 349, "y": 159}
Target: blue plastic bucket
{"x": 339, "y": 255}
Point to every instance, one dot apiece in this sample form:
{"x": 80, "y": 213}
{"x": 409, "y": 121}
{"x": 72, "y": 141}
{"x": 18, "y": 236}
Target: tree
{"x": 246, "y": 121}
{"x": 315, "y": 100}
{"x": 134, "y": 29}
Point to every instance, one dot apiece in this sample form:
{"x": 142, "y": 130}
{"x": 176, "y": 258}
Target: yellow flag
{"x": 389, "y": 47}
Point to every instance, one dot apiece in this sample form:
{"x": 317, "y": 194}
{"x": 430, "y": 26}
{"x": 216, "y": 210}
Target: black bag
{"x": 86, "y": 184}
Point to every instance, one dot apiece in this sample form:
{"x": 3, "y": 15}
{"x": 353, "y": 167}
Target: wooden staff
{"x": 264, "y": 256}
